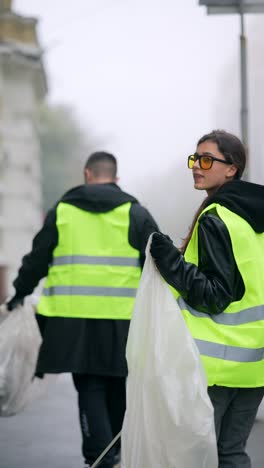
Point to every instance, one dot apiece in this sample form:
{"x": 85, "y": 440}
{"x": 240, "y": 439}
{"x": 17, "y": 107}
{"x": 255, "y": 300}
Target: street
{"x": 47, "y": 434}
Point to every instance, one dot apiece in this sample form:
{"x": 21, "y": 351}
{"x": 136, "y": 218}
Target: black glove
{"x": 14, "y": 302}
{"x": 161, "y": 245}
{"x": 167, "y": 257}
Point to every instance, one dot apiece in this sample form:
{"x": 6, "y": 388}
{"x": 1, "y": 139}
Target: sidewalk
{"x": 47, "y": 433}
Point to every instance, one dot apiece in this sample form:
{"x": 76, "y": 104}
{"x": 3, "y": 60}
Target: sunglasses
{"x": 205, "y": 161}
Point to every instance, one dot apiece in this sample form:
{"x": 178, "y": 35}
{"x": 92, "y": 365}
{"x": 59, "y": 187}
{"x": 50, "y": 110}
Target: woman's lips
{"x": 197, "y": 177}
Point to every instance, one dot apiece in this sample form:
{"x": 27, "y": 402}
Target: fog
{"x": 148, "y": 78}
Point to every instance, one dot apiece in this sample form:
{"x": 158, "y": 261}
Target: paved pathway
{"x": 47, "y": 435}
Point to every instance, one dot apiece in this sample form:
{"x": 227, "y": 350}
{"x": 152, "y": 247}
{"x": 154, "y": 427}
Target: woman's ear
{"x": 231, "y": 171}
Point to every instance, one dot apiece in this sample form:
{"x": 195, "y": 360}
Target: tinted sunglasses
{"x": 205, "y": 161}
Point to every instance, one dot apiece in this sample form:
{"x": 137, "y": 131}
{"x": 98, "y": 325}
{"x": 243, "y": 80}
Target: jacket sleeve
{"x": 142, "y": 224}
{"x": 216, "y": 282}
{"x": 36, "y": 263}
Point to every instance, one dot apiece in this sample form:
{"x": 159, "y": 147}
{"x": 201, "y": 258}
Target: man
{"x": 91, "y": 248}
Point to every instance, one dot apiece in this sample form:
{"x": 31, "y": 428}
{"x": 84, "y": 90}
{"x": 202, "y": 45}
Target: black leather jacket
{"x": 216, "y": 282}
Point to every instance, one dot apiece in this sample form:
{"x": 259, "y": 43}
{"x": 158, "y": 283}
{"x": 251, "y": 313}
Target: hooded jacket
{"x": 72, "y": 344}
{"x": 215, "y": 282}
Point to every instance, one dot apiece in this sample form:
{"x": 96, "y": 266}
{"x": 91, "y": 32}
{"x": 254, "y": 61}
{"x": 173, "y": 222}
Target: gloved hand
{"x": 161, "y": 245}
{"x": 14, "y": 302}
{"x": 167, "y": 258}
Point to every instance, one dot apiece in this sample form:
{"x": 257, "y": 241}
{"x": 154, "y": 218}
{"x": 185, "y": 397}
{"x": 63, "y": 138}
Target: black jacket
{"x": 216, "y": 282}
{"x": 72, "y": 344}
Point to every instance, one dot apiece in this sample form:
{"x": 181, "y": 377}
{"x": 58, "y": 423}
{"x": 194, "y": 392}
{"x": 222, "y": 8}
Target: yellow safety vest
{"x": 231, "y": 344}
{"x": 95, "y": 272}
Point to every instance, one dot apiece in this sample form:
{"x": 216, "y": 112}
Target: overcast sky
{"x": 147, "y": 77}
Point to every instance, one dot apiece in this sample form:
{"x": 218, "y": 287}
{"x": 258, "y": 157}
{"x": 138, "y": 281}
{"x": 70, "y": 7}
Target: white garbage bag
{"x": 19, "y": 346}
{"x": 169, "y": 421}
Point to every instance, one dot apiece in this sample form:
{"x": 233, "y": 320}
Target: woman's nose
{"x": 196, "y": 164}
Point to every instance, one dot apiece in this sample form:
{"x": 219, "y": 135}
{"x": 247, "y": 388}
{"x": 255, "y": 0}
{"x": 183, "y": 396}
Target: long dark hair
{"x": 234, "y": 151}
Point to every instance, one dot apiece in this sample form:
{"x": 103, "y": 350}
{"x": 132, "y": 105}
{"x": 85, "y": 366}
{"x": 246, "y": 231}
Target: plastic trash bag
{"x": 169, "y": 421}
{"x": 19, "y": 346}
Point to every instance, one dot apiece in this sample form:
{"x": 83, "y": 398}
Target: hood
{"x": 243, "y": 198}
{"x": 97, "y": 198}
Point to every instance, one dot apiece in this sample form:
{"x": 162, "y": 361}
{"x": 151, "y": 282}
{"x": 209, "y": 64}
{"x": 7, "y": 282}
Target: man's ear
{"x": 87, "y": 175}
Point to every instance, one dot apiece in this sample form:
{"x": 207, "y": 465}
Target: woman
{"x": 218, "y": 278}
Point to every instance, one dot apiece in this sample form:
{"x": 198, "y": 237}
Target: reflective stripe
{"x": 89, "y": 291}
{"x": 229, "y": 353}
{"x": 93, "y": 260}
{"x": 252, "y": 314}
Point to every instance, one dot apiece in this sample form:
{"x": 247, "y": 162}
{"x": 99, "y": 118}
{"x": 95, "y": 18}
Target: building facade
{"x": 22, "y": 88}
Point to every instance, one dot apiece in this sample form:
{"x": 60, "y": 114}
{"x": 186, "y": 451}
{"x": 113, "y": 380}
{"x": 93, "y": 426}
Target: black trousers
{"x": 102, "y": 404}
{"x": 235, "y": 410}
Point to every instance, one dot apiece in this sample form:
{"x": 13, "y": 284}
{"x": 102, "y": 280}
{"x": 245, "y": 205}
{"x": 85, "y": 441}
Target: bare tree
{"x": 64, "y": 146}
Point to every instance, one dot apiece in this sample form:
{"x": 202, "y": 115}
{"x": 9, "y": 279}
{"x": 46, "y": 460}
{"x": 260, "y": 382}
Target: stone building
{"x": 22, "y": 87}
